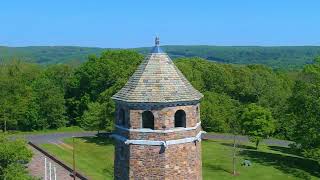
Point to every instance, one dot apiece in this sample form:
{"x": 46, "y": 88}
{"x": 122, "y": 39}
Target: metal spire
{"x": 157, "y": 41}
{"x": 156, "y": 48}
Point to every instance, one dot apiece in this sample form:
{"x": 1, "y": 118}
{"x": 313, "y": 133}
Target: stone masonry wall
{"x": 179, "y": 162}
{"x": 164, "y": 118}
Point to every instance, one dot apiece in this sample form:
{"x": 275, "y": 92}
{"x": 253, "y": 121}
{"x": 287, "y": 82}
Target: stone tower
{"x": 158, "y": 127}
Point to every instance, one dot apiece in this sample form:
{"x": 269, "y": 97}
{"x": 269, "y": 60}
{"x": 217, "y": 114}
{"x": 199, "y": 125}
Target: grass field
{"x": 94, "y": 157}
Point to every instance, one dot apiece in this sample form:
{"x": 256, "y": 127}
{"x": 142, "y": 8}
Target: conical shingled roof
{"x": 157, "y": 80}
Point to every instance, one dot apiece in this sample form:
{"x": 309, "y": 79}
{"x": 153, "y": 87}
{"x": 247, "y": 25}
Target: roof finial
{"x": 157, "y": 41}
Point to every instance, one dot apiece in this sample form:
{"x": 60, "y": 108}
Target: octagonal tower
{"x": 158, "y": 127}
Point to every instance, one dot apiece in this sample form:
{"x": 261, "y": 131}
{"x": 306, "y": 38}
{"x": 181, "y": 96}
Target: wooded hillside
{"x": 285, "y": 57}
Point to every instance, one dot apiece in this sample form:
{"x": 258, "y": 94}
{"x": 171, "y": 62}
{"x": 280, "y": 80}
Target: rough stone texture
{"x": 180, "y": 161}
{"x": 163, "y": 117}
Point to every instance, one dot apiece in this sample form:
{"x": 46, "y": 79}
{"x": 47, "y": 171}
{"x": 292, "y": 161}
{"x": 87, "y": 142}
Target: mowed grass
{"x": 94, "y": 157}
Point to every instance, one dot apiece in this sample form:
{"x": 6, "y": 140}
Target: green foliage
{"x": 241, "y": 85}
{"x": 16, "y": 92}
{"x": 16, "y": 172}
{"x": 96, "y": 117}
{"x": 280, "y": 57}
{"x": 51, "y": 102}
{"x": 35, "y": 97}
{"x": 305, "y": 106}
{"x": 49, "y": 54}
{"x": 218, "y": 112}
{"x": 95, "y": 81}
{"x": 31, "y": 97}
{"x": 285, "y": 57}
{"x": 13, "y": 154}
{"x": 257, "y": 123}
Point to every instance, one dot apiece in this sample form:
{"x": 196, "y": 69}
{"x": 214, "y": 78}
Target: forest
{"x": 254, "y": 100}
{"x": 277, "y": 57}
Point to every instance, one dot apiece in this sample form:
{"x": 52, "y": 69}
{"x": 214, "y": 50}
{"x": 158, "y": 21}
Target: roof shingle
{"x": 157, "y": 80}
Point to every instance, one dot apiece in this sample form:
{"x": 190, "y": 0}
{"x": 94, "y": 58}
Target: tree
{"x": 97, "y": 80}
{"x": 305, "y": 106}
{"x": 16, "y": 172}
{"x": 257, "y": 123}
{"x": 51, "y": 102}
{"x": 95, "y": 118}
{"x": 13, "y": 154}
{"x": 15, "y": 93}
{"x": 218, "y": 111}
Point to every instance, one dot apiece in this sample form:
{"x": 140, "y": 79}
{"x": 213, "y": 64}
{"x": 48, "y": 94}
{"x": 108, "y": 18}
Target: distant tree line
{"x": 263, "y": 101}
{"x": 278, "y": 57}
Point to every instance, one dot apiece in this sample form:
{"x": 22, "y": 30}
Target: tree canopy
{"x": 282, "y": 104}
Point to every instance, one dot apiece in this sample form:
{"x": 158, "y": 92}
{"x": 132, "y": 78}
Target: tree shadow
{"x": 99, "y": 140}
{"x": 241, "y": 146}
{"x": 297, "y": 166}
{"x": 285, "y": 150}
{"x": 216, "y": 168}
{"x": 109, "y": 171}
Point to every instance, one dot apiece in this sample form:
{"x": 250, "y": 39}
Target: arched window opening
{"x": 198, "y": 115}
{"x": 180, "y": 119}
{"x": 122, "y": 117}
{"x": 147, "y": 120}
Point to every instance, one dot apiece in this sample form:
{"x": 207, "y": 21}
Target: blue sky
{"x": 134, "y": 23}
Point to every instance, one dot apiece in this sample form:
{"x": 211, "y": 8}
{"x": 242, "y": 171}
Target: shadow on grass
{"x": 108, "y": 171}
{"x": 297, "y": 166}
{"x": 212, "y": 167}
{"x": 241, "y": 146}
{"x": 102, "y": 141}
{"x": 285, "y": 150}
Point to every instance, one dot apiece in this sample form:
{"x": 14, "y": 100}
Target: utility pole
{"x": 45, "y": 168}
{"x": 55, "y": 172}
{"x": 234, "y": 154}
{"x": 50, "y": 171}
{"x": 74, "y": 162}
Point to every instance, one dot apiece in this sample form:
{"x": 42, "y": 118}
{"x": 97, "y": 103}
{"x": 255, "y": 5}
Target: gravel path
{"x": 36, "y": 167}
{"x": 244, "y": 139}
{"x": 55, "y": 138}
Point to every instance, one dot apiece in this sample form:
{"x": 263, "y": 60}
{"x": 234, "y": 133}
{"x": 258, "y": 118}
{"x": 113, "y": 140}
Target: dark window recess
{"x": 198, "y": 115}
{"x": 121, "y": 152}
{"x": 122, "y": 117}
{"x": 180, "y": 119}
{"x": 147, "y": 120}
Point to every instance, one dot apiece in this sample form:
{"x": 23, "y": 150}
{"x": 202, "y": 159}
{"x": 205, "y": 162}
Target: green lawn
{"x": 94, "y": 157}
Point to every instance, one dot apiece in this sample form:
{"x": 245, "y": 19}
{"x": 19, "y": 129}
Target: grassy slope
{"x": 277, "y": 57}
{"x": 94, "y": 157}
